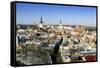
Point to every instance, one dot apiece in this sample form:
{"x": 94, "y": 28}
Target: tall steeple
{"x": 60, "y": 25}
{"x": 41, "y": 25}
{"x": 60, "y": 22}
{"x": 41, "y": 21}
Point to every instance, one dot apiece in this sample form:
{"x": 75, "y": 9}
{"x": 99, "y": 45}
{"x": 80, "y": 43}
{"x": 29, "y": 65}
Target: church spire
{"x": 60, "y": 25}
{"x": 60, "y": 22}
{"x": 41, "y": 21}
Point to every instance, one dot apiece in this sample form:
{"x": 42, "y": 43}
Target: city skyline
{"x": 52, "y": 14}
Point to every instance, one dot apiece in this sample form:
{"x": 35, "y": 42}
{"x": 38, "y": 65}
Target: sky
{"x": 28, "y": 13}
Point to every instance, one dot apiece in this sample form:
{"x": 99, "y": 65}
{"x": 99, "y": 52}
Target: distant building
{"x": 60, "y": 25}
{"x": 41, "y": 25}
